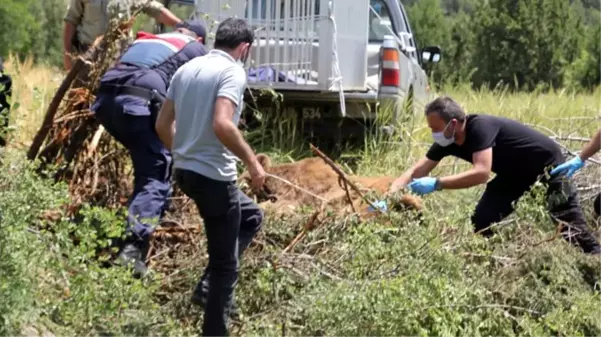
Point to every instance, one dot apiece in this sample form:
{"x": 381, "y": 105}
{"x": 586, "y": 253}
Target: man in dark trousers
{"x": 201, "y": 130}
{"x": 517, "y": 154}
{"x": 5, "y": 94}
{"x": 128, "y": 101}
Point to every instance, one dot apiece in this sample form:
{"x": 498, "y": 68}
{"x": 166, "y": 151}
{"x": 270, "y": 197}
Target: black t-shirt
{"x": 518, "y": 151}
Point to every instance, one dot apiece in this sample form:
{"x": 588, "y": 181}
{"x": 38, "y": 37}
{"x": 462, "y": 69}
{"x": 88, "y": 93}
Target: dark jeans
{"x": 562, "y": 203}
{"x": 231, "y": 220}
{"x": 152, "y": 166}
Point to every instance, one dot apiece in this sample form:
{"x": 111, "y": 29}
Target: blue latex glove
{"x": 423, "y": 185}
{"x": 569, "y": 167}
{"x": 381, "y": 204}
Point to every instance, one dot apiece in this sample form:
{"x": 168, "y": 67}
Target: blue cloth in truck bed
{"x": 264, "y": 74}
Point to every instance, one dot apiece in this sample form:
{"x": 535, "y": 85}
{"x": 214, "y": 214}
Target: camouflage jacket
{"x": 91, "y": 17}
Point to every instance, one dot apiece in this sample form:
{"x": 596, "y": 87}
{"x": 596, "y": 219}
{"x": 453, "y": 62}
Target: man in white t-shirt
{"x": 198, "y": 122}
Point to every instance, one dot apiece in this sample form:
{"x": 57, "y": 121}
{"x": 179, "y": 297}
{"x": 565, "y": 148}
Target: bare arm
{"x": 478, "y": 174}
{"x": 421, "y": 169}
{"x": 228, "y": 134}
{"x": 165, "y": 124}
{"x": 167, "y": 18}
{"x": 592, "y": 147}
{"x": 161, "y": 13}
{"x": 72, "y": 19}
{"x": 68, "y": 33}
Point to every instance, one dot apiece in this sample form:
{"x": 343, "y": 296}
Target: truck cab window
{"x": 382, "y": 25}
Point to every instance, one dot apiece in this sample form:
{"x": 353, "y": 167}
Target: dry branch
{"x": 48, "y": 122}
{"x": 342, "y": 176}
{"x": 70, "y": 137}
{"x": 309, "y": 225}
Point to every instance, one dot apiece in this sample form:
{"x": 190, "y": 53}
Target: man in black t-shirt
{"x": 517, "y": 154}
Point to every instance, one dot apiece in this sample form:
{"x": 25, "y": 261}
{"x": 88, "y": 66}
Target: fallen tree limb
{"x": 572, "y": 153}
{"x": 48, "y": 121}
{"x": 309, "y": 225}
{"x": 576, "y": 139}
{"x": 338, "y": 171}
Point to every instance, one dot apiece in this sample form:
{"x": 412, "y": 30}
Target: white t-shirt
{"x": 194, "y": 89}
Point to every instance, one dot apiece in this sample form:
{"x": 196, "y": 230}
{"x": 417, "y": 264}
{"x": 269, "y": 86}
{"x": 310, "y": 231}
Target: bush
{"x": 51, "y": 272}
{"x": 395, "y": 275}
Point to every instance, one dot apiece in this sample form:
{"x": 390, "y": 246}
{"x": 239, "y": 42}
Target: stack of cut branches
{"x": 70, "y": 138}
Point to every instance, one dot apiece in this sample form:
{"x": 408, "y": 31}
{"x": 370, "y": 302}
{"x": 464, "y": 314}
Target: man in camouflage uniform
{"x": 86, "y": 20}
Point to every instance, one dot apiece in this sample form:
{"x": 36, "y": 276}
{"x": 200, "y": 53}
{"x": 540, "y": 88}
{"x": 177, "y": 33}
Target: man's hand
{"x": 382, "y": 205}
{"x": 67, "y": 61}
{"x": 257, "y": 176}
{"x": 569, "y": 167}
{"x": 421, "y": 169}
{"x": 423, "y": 186}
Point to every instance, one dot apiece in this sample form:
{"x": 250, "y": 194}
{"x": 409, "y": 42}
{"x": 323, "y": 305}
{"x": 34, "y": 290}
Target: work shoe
{"x": 130, "y": 256}
{"x": 200, "y": 295}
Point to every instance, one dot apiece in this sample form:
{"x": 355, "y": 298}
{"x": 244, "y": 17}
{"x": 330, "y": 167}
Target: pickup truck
{"x": 338, "y": 66}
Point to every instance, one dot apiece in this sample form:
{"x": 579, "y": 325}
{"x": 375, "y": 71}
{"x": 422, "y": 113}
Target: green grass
{"x": 391, "y": 276}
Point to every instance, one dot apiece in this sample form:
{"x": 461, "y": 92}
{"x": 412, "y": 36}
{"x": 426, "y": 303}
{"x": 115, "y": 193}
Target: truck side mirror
{"x": 431, "y": 54}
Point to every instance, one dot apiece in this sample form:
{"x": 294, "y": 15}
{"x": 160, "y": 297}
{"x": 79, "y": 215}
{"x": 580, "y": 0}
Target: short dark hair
{"x": 232, "y": 32}
{"x": 447, "y": 108}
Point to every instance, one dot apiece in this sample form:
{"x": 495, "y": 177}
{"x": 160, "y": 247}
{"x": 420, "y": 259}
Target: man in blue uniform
{"x": 128, "y": 100}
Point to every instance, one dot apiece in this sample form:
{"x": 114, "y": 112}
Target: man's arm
{"x": 228, "y": 134}
{"x": 165, "y": 124}
{"x": 72, "y": 19}
{"x": 592, "y": 147}
{"x": 231, "y": 90}
{"x": 68, "y": 33}
{"x": 478, "y": 174}
{"x": 162, "y": 14}
{"x": 421, "y": 169}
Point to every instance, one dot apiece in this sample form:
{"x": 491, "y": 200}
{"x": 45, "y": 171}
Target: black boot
{"x": 201, "y": 293}
{"x": 134, "y": 255}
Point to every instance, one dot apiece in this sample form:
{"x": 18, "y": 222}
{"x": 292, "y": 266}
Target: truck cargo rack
{"x": 298, "y": 42}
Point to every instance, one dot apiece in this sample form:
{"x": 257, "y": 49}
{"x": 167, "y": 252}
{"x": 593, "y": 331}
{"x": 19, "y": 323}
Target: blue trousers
{"x": 151, "y": 162}
{"x": 231, "y": 220}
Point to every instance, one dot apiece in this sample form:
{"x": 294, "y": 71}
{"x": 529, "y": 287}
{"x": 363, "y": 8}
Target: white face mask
{"x": 440, "y": 138}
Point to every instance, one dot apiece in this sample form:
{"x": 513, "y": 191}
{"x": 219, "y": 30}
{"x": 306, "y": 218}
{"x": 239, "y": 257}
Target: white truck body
{"x": 327, "y": 51}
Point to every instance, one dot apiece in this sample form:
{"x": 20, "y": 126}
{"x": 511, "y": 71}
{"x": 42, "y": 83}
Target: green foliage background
{"x": 527, "y": 44}
{"x": 35, "y": 27}
{"x": 407, "y": 277}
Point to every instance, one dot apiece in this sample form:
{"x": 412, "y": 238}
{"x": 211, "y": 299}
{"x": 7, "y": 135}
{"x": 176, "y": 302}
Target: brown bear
{"x": 315, "y": 182}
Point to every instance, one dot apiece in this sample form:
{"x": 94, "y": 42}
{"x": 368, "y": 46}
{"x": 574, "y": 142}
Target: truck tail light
{"x": 391, "y": 74}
